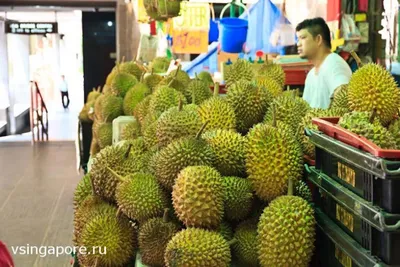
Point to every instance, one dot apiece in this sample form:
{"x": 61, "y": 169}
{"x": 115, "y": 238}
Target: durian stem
{"x": 170, "y": 83}
{"x": 266, "y": 59}
{"x": 92, "y": 182}
{"x": 165, "y": 216}
{"x": 273, "y": 116}
{"x": 96, "y": 262}
{"x": 373, "y": 115}
{"x": 119, "y": 177}
{"x": 195, "y": 75}
{"x": 142, "y": 76}
{"x": 128, "y": 151}
{"x": 152, "y": 71}
{"x": 98, "y": 88}
{"x": 357, "y": 59}
{"x": 118, "y": 212}
{"x": 180, "y": 104}
{"x": 201, "y": 130}
{"x": 216, "y": 89}
{"x": 232, "y": 241}
{"x": 177, "y": 70}
{"x": 290, "y": 187}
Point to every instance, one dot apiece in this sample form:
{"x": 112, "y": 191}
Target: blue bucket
{"x": 233, "y": 34}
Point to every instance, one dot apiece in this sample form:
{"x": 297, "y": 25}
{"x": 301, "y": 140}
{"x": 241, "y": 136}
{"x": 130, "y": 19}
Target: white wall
{"x": 4, "y": 99}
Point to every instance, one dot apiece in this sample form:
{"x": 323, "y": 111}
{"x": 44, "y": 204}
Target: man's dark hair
{"x": 316, "y": 26}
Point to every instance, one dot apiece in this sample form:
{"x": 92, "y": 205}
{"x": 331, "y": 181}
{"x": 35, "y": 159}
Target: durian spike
{"x": 273, "y": 116}
{"x": 201, "y": 130}
{"x": 290, "y": 187}
{"x": 357, "y": 59}
{"x": 128, "y": 151}
{"x": 216, "y": 89}
{"x": 165, "y": 216}
{"x": 180, "y": 104}
{"x": 119, "y": 177}
{"x": 373, "y": 115}
{"x": 99, "y": 88}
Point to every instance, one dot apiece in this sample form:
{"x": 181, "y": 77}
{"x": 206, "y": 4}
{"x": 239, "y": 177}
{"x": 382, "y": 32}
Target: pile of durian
{"x": 203, "y": 179}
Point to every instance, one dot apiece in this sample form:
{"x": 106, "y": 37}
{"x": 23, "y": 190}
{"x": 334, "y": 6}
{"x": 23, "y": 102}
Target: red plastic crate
{"x": 329, "y": 127}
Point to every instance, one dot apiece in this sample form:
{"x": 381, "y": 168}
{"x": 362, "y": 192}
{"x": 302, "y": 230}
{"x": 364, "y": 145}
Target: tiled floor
{"x": 36, "y": 192}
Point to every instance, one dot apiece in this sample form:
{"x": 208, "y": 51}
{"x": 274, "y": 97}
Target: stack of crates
{"x": 357, "y": 202}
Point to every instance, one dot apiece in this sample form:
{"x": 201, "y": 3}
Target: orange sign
{"x": 190, "y": 41}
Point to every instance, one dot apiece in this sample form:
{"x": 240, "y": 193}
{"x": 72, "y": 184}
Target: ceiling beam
{"x": 63, "y": 3}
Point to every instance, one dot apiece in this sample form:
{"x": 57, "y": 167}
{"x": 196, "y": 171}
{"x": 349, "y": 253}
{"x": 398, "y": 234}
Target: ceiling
{"x": 56, "y": 4}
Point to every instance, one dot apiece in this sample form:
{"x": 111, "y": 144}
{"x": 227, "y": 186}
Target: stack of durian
{"x": 205, "y": 180}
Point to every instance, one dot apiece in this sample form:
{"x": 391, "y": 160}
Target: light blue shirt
{"x": 333, "y": 72}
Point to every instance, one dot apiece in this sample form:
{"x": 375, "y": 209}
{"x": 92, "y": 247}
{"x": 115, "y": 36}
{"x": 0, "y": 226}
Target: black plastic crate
{"x": 375, "y": 179}
{"x": 373, "y": 229}
{"x": 334, "y": 248}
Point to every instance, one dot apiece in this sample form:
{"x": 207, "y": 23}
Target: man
{"x": 64, "y": 91}
{"x": 329, "y": 71}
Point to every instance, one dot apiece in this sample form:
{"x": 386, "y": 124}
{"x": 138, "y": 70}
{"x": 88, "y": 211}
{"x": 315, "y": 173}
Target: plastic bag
{"x": 350, "y": 33}
{"x": 148, "y": 46}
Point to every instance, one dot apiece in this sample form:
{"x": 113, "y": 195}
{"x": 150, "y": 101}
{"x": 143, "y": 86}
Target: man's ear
{"x": 319, "y": 39}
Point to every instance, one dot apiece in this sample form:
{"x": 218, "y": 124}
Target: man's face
{"x": 307, "y": 45}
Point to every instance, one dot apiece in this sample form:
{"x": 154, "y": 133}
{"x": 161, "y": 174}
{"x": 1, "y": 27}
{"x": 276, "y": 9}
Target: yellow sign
{"x": 346, "y": 174}
{"x": 342, "y": 257}
{"x": 344, "y": 217}
{"x": 190, "y": 41}
{"x": 194, "y": 16}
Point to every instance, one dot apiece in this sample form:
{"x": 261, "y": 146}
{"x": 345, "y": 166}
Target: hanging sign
{"x": 190, "y": 29}
{"x": 31, "y": 27}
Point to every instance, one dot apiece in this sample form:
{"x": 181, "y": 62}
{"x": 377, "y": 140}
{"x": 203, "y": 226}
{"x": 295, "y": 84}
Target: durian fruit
{"x": 104, "y": 135}
{"x": 217, "y": 112}
{"x": 98, "y": 107}
{"x": 160, "y": 64}
{"x": 191, "y": 151}
{"x": 94, "y": 147}
{"x": 226, "y": 231}
{"x": 289, "y": 109}
{"x": 196, "y": 248}
{"x": 373, "y": 87}
{"x": 177, "y": 122}
{"x": 394, "y": 129}
{"x": 90, "y": 207}
{"x": 140, "y": 197}
{"x": 246, "y": 243}
{"x": 141, "y": 109}
{"x": 82, "y": 190}
{"x": 286, "y": 232}
{"x": 306, "y": 123}
{"x": 198, "y": 197}
{"x": 136, "y": 147}
{"x": 84, "y": 113}
{"x": 302, "y": 190}
{"x": 154, "y": 236}
{"x": 131, "y": 131}
{"x": 274, "y": 71}
{"x": 249, "y": 102}
{"x": 278, "y": 147}
{"x": 199, "y": 91}
{"x": 168, "y": 9}
{"x": 206, "y": 77}
{"x": 106, "y": 89}
{"x": 113, "y": 236}
{"x": 110, "y": 78}
{"x": 122, "y": 83}
{"x": 340, "y": 98}
{"x": 149, "y": 129}
{"x": 152, "y": 80}
{"x": 93, "y": 95}
{"x": 179, "y": 80}
{"x": 270, "y": 84}
{"x": 117, "y": 158}
{"x": 229, "y": 148}
{"x": 132, "y": 68}
{"x": 238, "y": 198}
{"x": 111, "y": 107}
{"x": 241, "y": 69}
{"x": 371, "y": 129}
{"x": 136, "y": 94}
{"x": 164, "y": 98}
